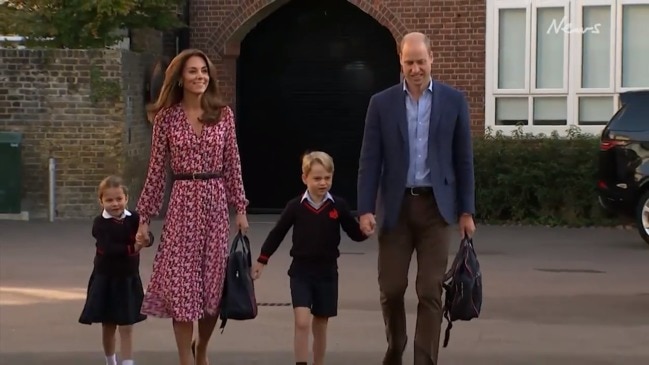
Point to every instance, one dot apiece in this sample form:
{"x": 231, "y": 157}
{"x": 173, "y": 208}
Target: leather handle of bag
{"x": 243, "y": 241}
{"x": 239, "y": 240}
{"x": 466, "y": 243}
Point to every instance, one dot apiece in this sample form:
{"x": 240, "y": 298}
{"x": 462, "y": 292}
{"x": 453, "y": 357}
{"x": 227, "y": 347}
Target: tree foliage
{"x": 82, "y": 24}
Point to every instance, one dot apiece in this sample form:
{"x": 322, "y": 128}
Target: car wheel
{"x": 642, "y": 217}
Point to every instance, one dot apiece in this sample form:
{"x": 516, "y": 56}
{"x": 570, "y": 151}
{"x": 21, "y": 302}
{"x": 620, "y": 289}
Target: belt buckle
{"x": 412, "y": 192}
{"x": 193, "y": 176}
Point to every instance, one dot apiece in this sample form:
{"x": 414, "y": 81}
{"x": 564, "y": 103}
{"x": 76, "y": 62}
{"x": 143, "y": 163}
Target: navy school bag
{"x": 463, "y": 287}
{"x": 238, "y": 301}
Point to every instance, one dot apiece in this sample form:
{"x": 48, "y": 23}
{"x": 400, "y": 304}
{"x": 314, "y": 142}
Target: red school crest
{"x": 333, "y": 214}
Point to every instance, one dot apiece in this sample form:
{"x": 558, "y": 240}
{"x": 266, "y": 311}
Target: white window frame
{"x": 576, "y": 69}
{"x": 572, "y": 63}
{"x": 565, "y": 4}
{"x": 577, "y": 38}
{"x": 618, "y": 43}
{"x": 491, "y": 54}
{"x": 493, "y": 48}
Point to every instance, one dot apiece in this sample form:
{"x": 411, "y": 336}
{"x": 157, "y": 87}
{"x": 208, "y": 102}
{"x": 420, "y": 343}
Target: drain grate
{"x": 273, "y": 304}
{"x": 573, "y": 271}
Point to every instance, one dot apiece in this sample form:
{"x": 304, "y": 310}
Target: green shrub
{"x": 536, "y": 179}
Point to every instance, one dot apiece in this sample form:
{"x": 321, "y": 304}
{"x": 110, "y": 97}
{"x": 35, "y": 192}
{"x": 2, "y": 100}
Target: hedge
{"x": 538, "y": 180}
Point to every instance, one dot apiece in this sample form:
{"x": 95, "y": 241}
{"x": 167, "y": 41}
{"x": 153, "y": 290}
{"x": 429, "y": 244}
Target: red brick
{"x": 456, "y": 27}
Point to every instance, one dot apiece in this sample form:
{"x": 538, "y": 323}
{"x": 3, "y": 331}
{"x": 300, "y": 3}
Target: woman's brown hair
{"x": 171, "y": 92}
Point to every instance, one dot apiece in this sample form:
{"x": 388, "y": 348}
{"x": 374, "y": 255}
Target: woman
{"x": 195, "y": 130}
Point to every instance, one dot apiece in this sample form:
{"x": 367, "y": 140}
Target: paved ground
{"x": 552, "y": 296}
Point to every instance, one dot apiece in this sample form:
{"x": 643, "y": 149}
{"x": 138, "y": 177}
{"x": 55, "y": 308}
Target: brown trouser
{"x": 421, "y": 228}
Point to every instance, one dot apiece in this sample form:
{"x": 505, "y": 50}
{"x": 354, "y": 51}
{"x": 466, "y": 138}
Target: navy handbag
{"x": 238, "y": 301}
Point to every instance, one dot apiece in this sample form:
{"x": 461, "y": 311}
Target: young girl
{"x": 115, "y": 290}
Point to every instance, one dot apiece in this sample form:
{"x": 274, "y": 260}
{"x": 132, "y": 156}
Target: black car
{"x": 623, "y": 178}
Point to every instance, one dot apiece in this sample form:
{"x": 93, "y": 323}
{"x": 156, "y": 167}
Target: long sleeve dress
{"x": 189, "y": 266}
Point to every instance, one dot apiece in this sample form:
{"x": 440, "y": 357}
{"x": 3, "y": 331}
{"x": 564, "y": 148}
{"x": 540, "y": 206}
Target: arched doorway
{"x": 304, "y": 77}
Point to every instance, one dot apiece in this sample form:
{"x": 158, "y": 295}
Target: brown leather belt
{"x": 197, "y": 176}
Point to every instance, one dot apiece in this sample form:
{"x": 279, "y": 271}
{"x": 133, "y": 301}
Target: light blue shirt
{"x": 418, "y": 116}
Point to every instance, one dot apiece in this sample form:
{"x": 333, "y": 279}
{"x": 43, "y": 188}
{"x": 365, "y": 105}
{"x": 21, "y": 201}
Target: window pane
{"x": 635, "y": 46}
{"x": 594, "y": 110}
{"x": 550, "y": 111}
{"x": 549, "y": 47}
{"x": 596, "y": 47}
{"x": 512, "y": 111}
{"x": 511, "y": 48}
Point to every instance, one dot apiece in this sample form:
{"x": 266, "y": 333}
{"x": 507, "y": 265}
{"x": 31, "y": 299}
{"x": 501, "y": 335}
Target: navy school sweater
{"x": 115, "y": 244}
{"x": 316, "y": 233}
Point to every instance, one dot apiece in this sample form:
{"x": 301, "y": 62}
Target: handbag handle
{"x": 243, "y": 241}
{"x": 465, "y": 244}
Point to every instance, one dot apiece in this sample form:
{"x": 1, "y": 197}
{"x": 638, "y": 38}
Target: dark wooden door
{"x": 304, "y": 77}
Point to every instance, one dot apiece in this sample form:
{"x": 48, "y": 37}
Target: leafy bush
{"x": 537, "y": 179}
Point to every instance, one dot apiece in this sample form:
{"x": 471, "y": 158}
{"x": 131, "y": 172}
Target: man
{"x": 417, "y": 147}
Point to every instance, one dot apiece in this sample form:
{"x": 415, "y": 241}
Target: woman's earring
{"x": 180, "y": 84}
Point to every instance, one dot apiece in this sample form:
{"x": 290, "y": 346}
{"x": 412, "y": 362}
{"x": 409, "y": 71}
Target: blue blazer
{"x": 383, "y": 164}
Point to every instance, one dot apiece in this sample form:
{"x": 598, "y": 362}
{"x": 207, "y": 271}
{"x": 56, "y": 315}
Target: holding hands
{"x": 466, "y": 225}
{"x": 142, "y": 235}
{"x": 368, "y": 223}
{"x": 143, "y": 238}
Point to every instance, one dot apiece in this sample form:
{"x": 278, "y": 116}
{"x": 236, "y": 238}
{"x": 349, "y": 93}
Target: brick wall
{"x": 457, "y": 28}
{"x": 153, "y": 41}
{"x": 136, "y": 130}
{"x": 84, "y": 108}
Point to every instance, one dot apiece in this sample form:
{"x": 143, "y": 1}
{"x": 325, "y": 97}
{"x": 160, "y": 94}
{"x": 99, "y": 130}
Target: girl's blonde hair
{"x": 109, "y": 183}
{"x": 317, "y": 157}
{"x": 171, "y": 92}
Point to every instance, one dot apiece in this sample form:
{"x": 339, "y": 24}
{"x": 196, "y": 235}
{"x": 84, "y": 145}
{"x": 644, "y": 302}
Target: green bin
{"x": 10, "y": 172}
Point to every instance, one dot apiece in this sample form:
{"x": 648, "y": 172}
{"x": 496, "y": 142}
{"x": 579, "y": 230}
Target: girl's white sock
{"x": 111, "y": 360}
{"x": 127, "y": 362}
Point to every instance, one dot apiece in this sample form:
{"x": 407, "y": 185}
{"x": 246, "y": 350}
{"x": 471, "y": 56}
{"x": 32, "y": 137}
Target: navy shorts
{"x": 316, "y": 292}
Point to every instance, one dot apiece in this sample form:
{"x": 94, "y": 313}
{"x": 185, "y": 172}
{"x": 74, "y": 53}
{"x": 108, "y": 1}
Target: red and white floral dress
{"x": 189, "y": 266}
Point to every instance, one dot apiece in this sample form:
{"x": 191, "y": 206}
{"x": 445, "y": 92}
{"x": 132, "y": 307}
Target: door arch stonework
{"x": 226, "y": 39}
{"x": 457, "y": 29}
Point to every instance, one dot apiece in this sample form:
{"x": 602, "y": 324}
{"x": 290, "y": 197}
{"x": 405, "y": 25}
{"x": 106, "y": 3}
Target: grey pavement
{"x": 552, "y": 296}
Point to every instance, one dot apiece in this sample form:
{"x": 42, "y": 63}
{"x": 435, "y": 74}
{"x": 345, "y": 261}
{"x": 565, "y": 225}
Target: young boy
{"x": 316, "y": 218}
